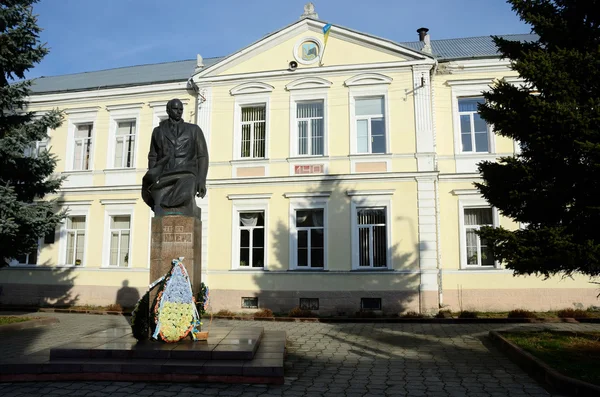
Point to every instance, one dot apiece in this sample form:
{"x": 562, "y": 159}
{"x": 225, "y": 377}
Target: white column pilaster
{"x": 203, "y": 120}
{"x": 423, "y": 117}
{"x": 428, "y": 242}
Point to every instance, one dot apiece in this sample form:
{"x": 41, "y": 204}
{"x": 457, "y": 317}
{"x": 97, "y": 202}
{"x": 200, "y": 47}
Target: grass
{"x": 574, "y": 355}
{"x": 4, "y": 320}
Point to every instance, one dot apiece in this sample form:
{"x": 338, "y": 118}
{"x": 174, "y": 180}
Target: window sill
{"x": 306, "y": 158}
{"x": 475, "y": 154}
{"x": 249, "y": 270}
{"x": 82, "y": 172}
{"x": 354, "y": 156}
{"x": 250, "y": 161}
{"x": 119, "y": 170}
{"x": 373, "y": 269}
{"x": 313, "y": 269}
{"x": 482, "y": 269}
{"x": 21, "y": 266}
{"x": 115, "y": 267}
{"x": 39, "y": 267}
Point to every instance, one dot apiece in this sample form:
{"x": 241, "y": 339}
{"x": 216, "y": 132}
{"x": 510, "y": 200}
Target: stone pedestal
{"x": 174, "y": 236}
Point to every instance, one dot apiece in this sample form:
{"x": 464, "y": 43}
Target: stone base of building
{"x": 329, "y": 302}
{"x": 534, "y": 299}
{"x": 68, "y": 295}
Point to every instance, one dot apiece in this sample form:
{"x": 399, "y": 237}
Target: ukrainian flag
{"x": 326, "y": 30}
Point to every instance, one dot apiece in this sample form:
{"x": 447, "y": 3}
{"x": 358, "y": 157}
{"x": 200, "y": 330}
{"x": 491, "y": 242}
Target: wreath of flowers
{"x": 175, "y": 309}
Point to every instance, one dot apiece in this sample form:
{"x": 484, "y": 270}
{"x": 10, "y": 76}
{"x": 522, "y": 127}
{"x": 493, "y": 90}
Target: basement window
{"x": 309, "y": 303}
{"x": 250, "y": 303}
{"x": 370, "y": 303}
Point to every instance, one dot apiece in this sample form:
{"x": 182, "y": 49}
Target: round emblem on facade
{"x": 308, "y": 50}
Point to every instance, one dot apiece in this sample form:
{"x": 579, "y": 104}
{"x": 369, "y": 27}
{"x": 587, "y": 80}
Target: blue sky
{"x": 87, "y": 35}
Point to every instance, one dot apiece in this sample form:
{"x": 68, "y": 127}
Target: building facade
{"x": 341, "y": 178}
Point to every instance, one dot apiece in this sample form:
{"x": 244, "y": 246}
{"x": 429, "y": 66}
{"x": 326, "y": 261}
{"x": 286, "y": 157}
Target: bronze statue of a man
{"x": 177, "y": 165}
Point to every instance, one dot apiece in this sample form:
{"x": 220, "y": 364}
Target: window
{"x": 309, "y": 303}
{"x": 310, "y": 123}
{"x": 125, "y": 144}
{"x": 75, "y": 231}
{"x": 310, "y": 234}
{"x": 252, "y": 239}
{"x": 249, "y": 303}
{"x": 478, "y": 253}
{"x": 372, "y": 237}
{"x": 119, "y": 240}
{"x": 27, "y": 259}
{"x": 370, "y": 125}
{"x": 82, "y": 148}
{"x": 253, "y": 131}
{"x": 474, "y": 132}
{"x": 36, "y": 148}
{"x": 370, "y": 303}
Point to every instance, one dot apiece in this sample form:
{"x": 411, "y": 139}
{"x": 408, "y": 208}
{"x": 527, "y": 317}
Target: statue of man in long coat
{"x": 177, "y": 165}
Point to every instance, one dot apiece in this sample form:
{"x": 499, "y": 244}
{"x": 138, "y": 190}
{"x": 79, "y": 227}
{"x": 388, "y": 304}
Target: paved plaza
{"x": 323, "y": 360}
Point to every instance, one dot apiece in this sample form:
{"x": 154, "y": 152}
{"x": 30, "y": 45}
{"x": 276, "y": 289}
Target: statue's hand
{"x": 200, "y": 190}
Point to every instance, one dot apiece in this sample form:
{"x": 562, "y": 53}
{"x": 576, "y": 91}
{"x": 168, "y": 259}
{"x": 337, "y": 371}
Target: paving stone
{"x": 322, "y": 359}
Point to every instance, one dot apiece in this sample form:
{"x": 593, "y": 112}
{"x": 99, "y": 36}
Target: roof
{"x": 467, "y": 47}
{"x": 444, "y": 50}
{"x": 120, "y": 77}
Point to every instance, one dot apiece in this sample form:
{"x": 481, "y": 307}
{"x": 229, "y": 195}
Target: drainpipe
{"x": 438, "y": 217}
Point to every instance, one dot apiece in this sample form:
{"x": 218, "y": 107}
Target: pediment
{"x": 307, "y": 83}
{"x": 367, "y": 79}
{"x": 343, "y": 49}
{"x": 252, "y": 87}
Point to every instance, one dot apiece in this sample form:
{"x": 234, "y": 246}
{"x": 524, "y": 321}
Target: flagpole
{"x": 326, "y": 30}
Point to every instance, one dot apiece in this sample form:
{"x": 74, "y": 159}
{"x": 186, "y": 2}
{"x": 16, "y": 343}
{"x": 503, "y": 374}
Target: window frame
{"x": 127, "y": 114}
{"x": 468, "y": 89}
{"x": 248, "y": 205}
{"x": 308, "y": 95}
{"x": 119, "y": 232}
{"x": 248, "y": 100}
{"x": 252, "y": 125}
{"x": 90, "y": 138}
{"x": 74, "y": 209}
{"x": 38, "y": 250}
{"x": 77, "y": 117}
{"x": 360, "y": 92}
{"x": 34, "y": 149}
{"x": 368, "y": 201}
{"x": 472, "y": 132}
{"x": 133, "y": 151}
{"x": 111, "y": 210}
{"x": 473, "y": 203}
{"x": 307, "y": 204}
{"x": 308, "y": 120}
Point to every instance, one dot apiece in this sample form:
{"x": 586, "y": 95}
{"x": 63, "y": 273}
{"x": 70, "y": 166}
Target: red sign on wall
{"x": 308, "y": 169}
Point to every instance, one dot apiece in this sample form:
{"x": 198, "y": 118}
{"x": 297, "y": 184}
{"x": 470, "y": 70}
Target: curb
{"x": 33, "y": 323}
{"x": 120, "y": 377}
{"x": 334, "y": 320}
{"x": 63, "y": 310}
{"x": 541, "y": 371}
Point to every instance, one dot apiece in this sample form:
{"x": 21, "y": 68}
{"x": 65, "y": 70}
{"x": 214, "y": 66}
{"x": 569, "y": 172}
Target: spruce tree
{"x": 25, "y": 176}
{"x": 552, "y": 188}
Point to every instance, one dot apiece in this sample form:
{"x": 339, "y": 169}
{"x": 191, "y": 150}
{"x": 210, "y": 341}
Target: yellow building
{"x": 341, "y": 177}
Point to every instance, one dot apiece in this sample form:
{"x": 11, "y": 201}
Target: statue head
{"x": 175, "y": 109}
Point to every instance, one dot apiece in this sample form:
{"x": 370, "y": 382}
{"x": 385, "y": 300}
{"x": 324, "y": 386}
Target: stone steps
{"x": 222, "y": 344}
{"x": 244, "y": 355}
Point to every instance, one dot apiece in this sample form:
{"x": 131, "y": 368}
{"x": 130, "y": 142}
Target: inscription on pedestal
{"x": 174, "y": 237}
{"x": 179, "y": 236}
